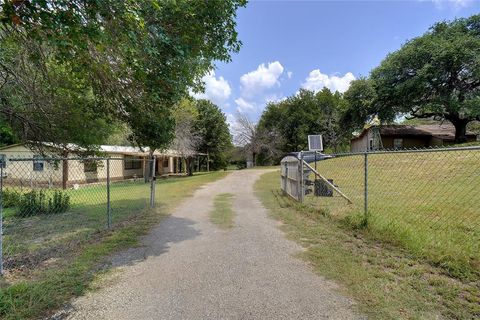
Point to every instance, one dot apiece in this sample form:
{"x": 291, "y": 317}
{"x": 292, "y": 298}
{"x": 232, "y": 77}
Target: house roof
{"x": 444, "y": 131}
{"x": 128, "y": 150}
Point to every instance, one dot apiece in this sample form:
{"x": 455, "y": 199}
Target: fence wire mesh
{"x": 425, "y": 200}
{"x": 52, "y": 206}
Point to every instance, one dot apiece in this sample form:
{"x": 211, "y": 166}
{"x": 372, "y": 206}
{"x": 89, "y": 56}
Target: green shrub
{"x": 37, "y": 203}
{"x": 11, "y": 198}
{"x": 59, "y": 203}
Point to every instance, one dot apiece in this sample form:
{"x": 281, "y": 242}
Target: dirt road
{"x": 190, "y": 269}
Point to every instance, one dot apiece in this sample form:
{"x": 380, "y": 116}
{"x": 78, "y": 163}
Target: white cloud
{"x": 275, "y": 98}
{"x": 263, "y": 78}
{"x": 231, "y": 121}
{"x": 217, "y": 90}
{"x": 244, "y": 106}
{"x": 455, "y": 4}
{"x": 289, "y": 74}
{"x": 317, "y": 80}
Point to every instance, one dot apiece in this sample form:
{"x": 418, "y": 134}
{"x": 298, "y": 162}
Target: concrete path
{"x": 190, "y": 269}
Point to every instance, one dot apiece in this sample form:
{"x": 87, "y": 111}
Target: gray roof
{"x": 444, "y": 131}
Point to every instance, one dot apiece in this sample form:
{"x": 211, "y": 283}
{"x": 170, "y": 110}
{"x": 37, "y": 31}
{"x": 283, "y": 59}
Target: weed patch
{"x": 222, "y": 213}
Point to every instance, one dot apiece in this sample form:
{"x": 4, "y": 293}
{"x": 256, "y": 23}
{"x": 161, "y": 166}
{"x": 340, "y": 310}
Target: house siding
{"x": 408, "y": 142}
{"x": 22, "y": 173}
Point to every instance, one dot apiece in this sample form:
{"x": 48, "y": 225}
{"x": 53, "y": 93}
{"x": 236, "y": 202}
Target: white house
{"x": 23, "y": 166}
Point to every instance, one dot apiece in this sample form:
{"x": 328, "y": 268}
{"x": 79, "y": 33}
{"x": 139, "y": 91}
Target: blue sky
{"x": 288, "y": 45}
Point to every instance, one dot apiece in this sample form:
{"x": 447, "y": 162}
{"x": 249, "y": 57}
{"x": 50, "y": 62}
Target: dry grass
{"x": 425, "y": 202}
{"x": 387, "y": 281}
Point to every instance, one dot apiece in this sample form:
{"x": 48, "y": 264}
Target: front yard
{"x": 52, "y": 258}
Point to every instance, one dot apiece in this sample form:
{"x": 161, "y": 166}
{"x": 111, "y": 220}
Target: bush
{"x": 59, "y": 203}
{"x": 37, "y": 203}
{"x": 11, "y": 198}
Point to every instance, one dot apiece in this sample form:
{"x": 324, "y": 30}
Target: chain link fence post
{"x": 365, "y": 209}
{"x": 109, "y": 209}
{"x": 152, "y": 184}
{"x": 1, "y": 215}
{"x": 300, "y": 178}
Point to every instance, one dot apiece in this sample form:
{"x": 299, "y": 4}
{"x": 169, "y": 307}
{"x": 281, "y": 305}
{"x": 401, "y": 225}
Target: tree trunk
{"x": 64, "y": 171}
{"x": 189, "y": 166}
{"x": 460, "y": 129}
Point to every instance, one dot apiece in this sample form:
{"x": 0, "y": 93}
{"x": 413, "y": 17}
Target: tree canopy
{"x": 434, "y": 75}
{"x": 69, "y": 67}
{"x": 212, "y": 128}
{"x": 303, "y": 114}
{"x": 361, "y": 99}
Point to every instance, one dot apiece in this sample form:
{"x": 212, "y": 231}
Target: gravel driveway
{"x": 190, "y": 269}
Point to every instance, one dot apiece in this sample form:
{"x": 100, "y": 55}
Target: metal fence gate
{"x": 424, "y": 199}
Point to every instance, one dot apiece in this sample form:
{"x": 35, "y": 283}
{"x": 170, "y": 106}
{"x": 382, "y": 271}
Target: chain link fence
{"x": 51, "y": 206}
{"x": 424, "y": 200}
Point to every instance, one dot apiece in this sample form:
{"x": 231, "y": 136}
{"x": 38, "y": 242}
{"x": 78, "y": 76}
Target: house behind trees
{"x": 408, "y": 137}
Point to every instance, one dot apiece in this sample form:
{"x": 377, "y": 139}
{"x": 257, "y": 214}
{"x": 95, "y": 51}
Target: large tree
{"x": 255, "y": 140}
{"x": 303, "y": 114}
{"x": 361, "y": 105}
{"x": 128, "y": 61}
{"x": 212, "y": 127}
{"x": 435, "y": 75}
{"x": 187, "y": 140}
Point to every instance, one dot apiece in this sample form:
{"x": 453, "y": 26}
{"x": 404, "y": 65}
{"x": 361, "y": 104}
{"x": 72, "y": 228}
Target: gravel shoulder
{"x": 188, "y": 268}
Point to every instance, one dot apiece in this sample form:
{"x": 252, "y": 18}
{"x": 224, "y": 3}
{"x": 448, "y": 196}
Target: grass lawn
{"x": 424, "y": 202}
{"x": 387, "y": 281}
{"x": 56, "y": 257}
{"x": 222, "y": 213}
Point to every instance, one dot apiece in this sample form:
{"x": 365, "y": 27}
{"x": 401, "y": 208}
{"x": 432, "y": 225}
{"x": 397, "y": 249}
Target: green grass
{"x": 424, "y": 202}
{"x": 77, "y": 242}
{"x": 386, "y": 281}
{"x": 222, "y": 214}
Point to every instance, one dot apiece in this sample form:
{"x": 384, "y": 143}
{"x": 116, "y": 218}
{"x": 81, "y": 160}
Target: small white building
{"x": 24, "y": 166}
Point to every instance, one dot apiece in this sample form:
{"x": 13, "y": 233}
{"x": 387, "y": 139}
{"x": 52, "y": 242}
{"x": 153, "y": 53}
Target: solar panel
{"x": 315, "y": 142}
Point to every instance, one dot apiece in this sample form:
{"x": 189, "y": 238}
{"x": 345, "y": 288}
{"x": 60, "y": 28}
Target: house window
{"x": 90, "y": 166}
{"x": 397, "y": 143}
{"x": 165, "y": 162}
{"x": 370, "y": 144}
{"x": 3, "y": 161}
{"x": 37, "y": 163}
{"x": 132, "y": 163}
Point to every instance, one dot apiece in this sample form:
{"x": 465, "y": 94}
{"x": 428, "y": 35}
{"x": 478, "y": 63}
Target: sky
{"x": 288, "y": 45}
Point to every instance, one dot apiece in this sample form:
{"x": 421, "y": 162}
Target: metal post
{"x": 1, "y": 216}
{"x": 109, "y": 209}
{"x": 365, "y": 210}
{"x": 152, "y": 184}
{"x": 301, "y": 178}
